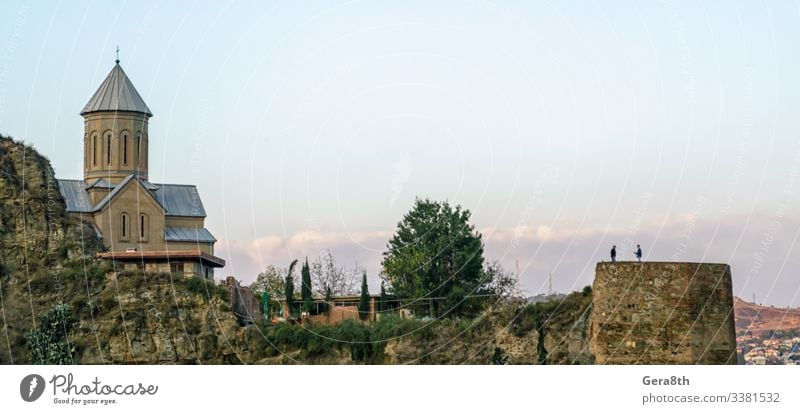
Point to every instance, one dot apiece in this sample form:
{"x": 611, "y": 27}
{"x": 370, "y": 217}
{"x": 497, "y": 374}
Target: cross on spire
{"x": 117, "y": 54}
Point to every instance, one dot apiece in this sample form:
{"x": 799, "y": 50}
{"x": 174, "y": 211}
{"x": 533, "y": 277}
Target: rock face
{"x": 663, "y": 313}
{"x": 35, "y": 232}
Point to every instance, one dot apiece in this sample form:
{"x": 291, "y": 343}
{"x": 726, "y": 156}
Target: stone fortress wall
{"x": 663, "y": 313}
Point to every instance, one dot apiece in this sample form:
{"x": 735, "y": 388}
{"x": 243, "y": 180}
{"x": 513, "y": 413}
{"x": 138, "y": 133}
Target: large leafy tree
{"x": 436, "y": 256}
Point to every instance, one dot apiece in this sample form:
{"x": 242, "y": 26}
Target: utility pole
{"x": 550, "y": 284}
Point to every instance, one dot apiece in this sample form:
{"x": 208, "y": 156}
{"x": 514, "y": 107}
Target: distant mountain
{"x": 762, "y": 319}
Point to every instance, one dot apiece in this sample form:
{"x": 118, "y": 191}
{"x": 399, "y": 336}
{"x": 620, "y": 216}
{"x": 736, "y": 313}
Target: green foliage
{"x": 289, "y": 288}
{"x": 305, "y": 288}
{"x": 365, "y": 342}
{"x": 587, "y": 290}
{"x": 382, "y": 302}
{"x": 196, "y": 285}
{"x": 271, "y": 280}
{"x": 499, "y": 357}
{"x": 436, "y": 253}
{"x": 363, "y": 302}
{"x": 49, "y": 342}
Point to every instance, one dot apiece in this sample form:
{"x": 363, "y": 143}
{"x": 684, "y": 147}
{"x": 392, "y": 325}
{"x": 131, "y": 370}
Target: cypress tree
{"x": 305, "y": 288}
{"x": 363, "y": 304}
{"x": 382, "y": 305}
{"x": 289, "y": 288}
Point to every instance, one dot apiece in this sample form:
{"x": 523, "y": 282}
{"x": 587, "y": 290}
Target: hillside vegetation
{"x": 47, "y": 259}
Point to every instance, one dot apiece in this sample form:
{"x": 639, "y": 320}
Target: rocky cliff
{"x": 47, "y": 258}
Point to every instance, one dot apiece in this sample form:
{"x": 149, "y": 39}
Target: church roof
{"x": 116, "y": 93}
{"x": 75, "y": 195}
{"x": 176, "y": 199}
{"x": 180, "y": 200}
{"x": 188, "y": 234}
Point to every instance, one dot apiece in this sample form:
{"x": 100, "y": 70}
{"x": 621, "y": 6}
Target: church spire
{"x": 116, "y": 94}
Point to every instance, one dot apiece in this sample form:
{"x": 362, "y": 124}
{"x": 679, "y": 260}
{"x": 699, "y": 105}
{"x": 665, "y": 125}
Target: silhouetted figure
{"x": 614, "y": 253}
{"x": 639, "y": 253}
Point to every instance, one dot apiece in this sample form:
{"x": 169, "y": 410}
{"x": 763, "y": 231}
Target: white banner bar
{"x": 399, "y": 389}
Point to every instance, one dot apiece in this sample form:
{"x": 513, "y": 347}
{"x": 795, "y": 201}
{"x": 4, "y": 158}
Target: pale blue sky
{"x": 314, "y": 125}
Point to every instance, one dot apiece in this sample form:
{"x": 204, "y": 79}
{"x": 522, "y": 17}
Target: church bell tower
{"x": 115, "y": 131}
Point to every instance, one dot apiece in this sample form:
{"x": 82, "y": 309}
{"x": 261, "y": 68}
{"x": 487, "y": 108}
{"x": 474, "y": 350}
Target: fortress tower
{"x": 663, "y": 313}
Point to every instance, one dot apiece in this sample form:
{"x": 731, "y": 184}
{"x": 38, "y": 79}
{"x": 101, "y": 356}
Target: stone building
{"x": 663, "y": 313}
{"x": 143, "y": 225}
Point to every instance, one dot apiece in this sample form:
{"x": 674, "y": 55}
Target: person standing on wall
{"x": 614, "y": 253}
{"x": 639, "y": 253}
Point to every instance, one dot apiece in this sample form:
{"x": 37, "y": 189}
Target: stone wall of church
{"x": 133, "y": 201}
{"x": 115, "y": 145}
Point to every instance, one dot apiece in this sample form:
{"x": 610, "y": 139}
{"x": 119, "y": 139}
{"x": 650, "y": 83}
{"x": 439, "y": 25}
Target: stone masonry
{"x": 663, "y": 313}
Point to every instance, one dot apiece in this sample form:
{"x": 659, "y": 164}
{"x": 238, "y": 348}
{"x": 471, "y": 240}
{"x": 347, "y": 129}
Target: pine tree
{"x": 363, "y": 304}
{"x": 289, "y": 288}
{"x": 305, "y": 289}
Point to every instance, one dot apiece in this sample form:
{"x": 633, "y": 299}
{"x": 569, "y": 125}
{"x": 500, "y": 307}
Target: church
{"x": 144, "y": 226}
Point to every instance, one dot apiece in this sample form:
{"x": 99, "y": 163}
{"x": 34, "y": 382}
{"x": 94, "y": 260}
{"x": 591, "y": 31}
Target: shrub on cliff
{"x": 48, "y": 343}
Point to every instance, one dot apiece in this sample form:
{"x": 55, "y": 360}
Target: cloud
{"x": 762, "y": 255}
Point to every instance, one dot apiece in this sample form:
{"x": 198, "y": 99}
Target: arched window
{"x": 143, "y": 227}
{"x": 124, "y": 138}
{"x": 125, "y": 224}
{"x": 94, "y": 149}
{"x": 108, "y": 148}
{"x": 138, "y": 150}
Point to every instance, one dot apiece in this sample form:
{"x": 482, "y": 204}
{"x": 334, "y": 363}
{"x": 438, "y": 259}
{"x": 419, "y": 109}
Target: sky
{"x": 564, "y": 127}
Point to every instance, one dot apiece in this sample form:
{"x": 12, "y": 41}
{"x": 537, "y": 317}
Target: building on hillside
{"x": 148, "y": 226}
{"x": 339, "y": 309}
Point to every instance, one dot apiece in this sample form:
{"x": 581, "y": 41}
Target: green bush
{"x": 48, "y": 344}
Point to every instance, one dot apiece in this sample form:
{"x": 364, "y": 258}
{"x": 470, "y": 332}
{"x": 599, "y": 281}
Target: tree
{"x": 271, "y": 280}
{"x": 305, "y": 288}
{"x": 436, "y": 253}
{"x": 326, "y": 274}
{"x": 382, "y": 305}
{"x": 328, "y": 301}
{"x": 48, "y": 343}
{"x": 289, "y": 288}
{"x": 363, "y": 303}
{"x": 501, "y": 282}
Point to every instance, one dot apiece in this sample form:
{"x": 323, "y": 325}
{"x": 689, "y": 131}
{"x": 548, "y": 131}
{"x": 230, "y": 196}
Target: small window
{"x": 143, "y": 227}
{"x": 124, "y": 149}
{"x": 108, "y": 148}
{"x": 94, "y": 150}
{"x": 125, "y": 228}
{"x": 138, "y": 150}
{"x": 176, "y": 268}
